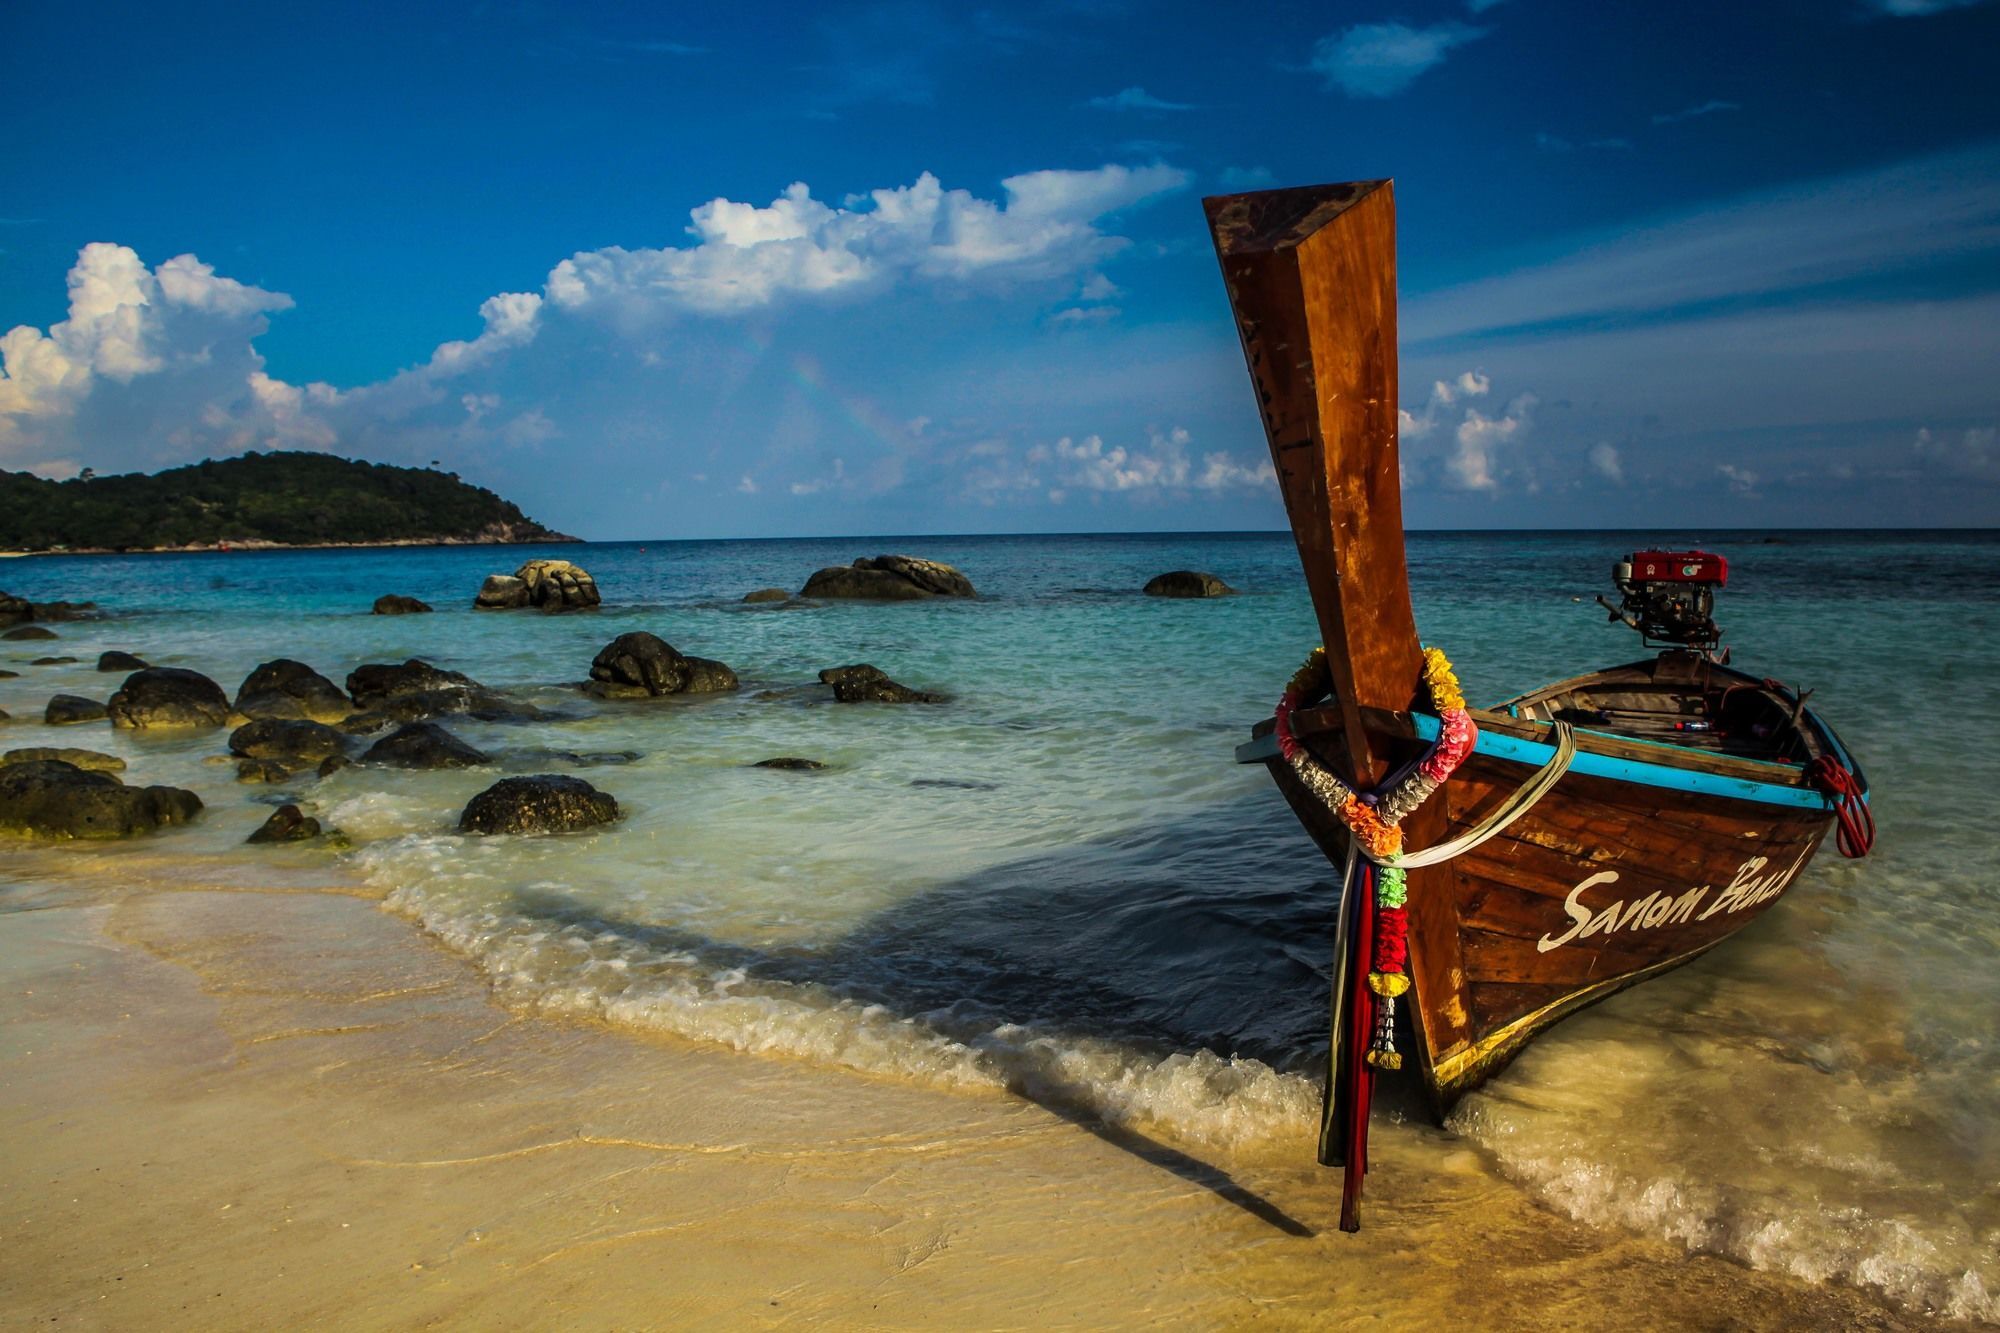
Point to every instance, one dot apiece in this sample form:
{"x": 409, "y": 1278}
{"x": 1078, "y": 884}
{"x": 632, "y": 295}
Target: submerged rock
{"x": 28, "y": 632}
{"x": 287, "y": 824}
{"x": 423, "y": 745}
{"x": 898, "y": 578}
{"x": 791, "y": 763}
{"x": 863, "y": 683}
{"x": 117, "y": 661}
{"x": 293, "y": 742}
{"x": 1187, "y": 583}
{"x": 543, "y": 803}
{"x": 47, "y": 798}
{"x": 414, "y": 690}
{"x": 89, "y": 760}
{"x": 395, "y": 604}
{"x": 65, "y": 709}
{"x": 52, "y": 661}
{"x": 261, "y": 770}
{"x": 168, "y": 697}
{"x": 763, "y": 595}
{"x": 548, "y": 585}
{"x": 283, "y": 688}
{"x": 14, "y": 610}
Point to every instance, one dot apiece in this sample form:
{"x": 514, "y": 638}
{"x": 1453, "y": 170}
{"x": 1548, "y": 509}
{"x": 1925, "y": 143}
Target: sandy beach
{"x": 256, "y": 1109}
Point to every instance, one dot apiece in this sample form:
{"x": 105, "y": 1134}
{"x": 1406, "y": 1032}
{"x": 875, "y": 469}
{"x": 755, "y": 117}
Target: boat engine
{"x": 1669, "y": 597}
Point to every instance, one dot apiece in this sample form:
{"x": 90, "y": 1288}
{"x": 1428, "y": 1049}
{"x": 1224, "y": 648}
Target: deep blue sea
{"x": 1061, "y": 881}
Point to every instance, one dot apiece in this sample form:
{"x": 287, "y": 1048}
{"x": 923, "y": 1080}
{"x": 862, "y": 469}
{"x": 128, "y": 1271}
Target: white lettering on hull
{"x": 1747, "y": 888}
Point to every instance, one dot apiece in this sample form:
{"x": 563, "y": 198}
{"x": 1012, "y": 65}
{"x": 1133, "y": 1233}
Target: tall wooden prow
{"x": 1311, "y": 274}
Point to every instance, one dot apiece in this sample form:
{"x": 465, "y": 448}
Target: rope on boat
{"x": 1854, "y": 829}
{"x": 1525, "y": 798}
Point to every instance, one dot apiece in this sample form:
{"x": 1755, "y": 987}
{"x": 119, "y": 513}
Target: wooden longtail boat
{"x": 1668, "y": 803}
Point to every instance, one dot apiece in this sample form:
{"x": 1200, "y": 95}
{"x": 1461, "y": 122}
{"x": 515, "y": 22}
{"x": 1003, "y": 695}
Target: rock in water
{"x": 792, "y": 763}
{"x": 395, "y": 604}
{"x": 27, "y": 632}
{"x": 168, "y": 697}
{"x": 117, "y": 661}
{"x": 640, "y": 665}
{"x": 899, "y": 578}
{"x": 65, "y": 709}
{"x": 14, "y": 609}
{"x": 641, "y": 661}
{"x": 291, "y": 742}
{"x": 261, "y": 770}
{"x": 1187, "y": 583}
{"x": 52, "y": 661}
{"x": 287, "y": 689}
{"x": 762, "y": 595}
{"x": 286, "y": 824}
{"x": 551, "y": 585}
{"x": 91, "y": 760}
{"x": 415, "y": 690}
{"x": 544, "y": 803}
{"x": 863, "y": 683}
{"x": 50, "y": 799}
{"x": 423, "y": 745}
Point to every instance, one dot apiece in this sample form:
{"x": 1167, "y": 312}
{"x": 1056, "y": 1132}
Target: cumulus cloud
{"x": 1742, "y": 481}
{"x": 1166, "y": 465}
{"x": 1969, "y": 454}
{"x": 1444, "y": 394}
{"x": 1477, "y": 442}
{"x": 1474, "y": 459}
{"x": 1137, "y": 99}
{"x": 747, "y": 257}
{"x": 1382, "y": 59}
{"x": 156, "y": 364}
{"x": 1606, "y": 463}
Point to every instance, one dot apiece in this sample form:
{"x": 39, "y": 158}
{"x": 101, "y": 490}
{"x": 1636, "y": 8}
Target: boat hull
{"x": 1616, "y": 875}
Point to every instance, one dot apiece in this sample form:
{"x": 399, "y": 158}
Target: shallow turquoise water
{"x": 1061, "y": 883}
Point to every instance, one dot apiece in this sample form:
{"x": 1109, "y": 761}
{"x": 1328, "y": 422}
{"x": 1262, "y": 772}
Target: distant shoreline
{"x": 261, "y": 544}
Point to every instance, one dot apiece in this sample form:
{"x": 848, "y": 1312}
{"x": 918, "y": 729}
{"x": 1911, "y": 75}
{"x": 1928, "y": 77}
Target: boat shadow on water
{"x": 1201, "y": 937}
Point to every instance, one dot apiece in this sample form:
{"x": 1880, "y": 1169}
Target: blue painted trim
{"x": 1534, "y": 754}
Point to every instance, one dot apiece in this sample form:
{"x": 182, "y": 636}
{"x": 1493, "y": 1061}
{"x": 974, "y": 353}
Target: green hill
{"x": 287, "y": 499}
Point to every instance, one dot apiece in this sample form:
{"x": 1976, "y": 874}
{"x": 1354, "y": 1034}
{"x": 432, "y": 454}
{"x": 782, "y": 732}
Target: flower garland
{"x": 1374, "y": 819}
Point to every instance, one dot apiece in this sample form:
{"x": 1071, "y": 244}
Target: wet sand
{"x": 252, "y": 1109}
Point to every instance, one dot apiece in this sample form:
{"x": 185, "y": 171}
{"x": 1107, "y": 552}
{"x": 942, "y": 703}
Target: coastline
{"x": 236, "y": 1106}
{"x": 259, "y": 544}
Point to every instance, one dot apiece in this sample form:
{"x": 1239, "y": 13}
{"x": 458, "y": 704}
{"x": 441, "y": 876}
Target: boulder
{"x": 641, "y": 665}
{"x": 762, "y": 595}
{"x": 9, "y": 675}
{"x": 286, "y": 824}
{"x": 415, "y": 690}
{"x": 64, "y": 709}
{"x": 543, "y": 803}
{"x": 52, "y": 661}
{"x": 792, "y": 763}
{"x": 15, "y": 609}
{"x": 863, "y": 683}
{"x": 261, "y": 770}
{"x": 550, "y": 585}
{"x": 898, "y": 578}
{"x": 47, "y": 798}
{"x": 1187, "y": 583}
{"x": 27, "y": 632}
{"x": 395, "y": 604}
{"x": 117, "y": 661}
{"x": 423, "y": 745}
{"x": 501, "y": 592}
{"x": 292, "y": 742}
{"x": 641, "y": 662}
{"x": 63, "y": 610}
{"x": 168, "y": 697}
{"x": 333, "y": 764}
{"x": 90, "y": 760}
{"x": 286, "y": 689}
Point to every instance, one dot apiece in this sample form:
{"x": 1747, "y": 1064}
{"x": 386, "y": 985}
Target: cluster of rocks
{"x": 1187, "y": 583}
{"x": 546, "y": 585}
{"x": 44, "y": 796}
{"x": 19, "y": 610}
{"x": 641, "y": 666}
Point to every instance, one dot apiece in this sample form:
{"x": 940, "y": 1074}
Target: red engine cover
{"x": 1679, "y": 567}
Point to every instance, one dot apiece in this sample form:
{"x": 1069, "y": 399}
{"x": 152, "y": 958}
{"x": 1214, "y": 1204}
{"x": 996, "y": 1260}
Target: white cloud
{"x": 1606, "y": 463}
{"x": 1444, "y": 393}
{"x": 1382, "y": 59}
{"x": 1708, "y": 108}
{"x": 1969, "y": 453}
{"x": 817, "y": 484}
{"x": 1470, "y": 466}
{"x": 1137, "y": 99}
{"x": 1742, "y": 481}
{"x": 748, "y": 257}
{"x": 748, "y": 485}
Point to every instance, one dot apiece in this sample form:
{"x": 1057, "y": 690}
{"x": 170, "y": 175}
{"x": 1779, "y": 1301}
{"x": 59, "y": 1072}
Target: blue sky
{"x": 661, "y": 271}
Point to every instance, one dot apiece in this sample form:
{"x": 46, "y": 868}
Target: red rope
{"x": 1854, "y": 833}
